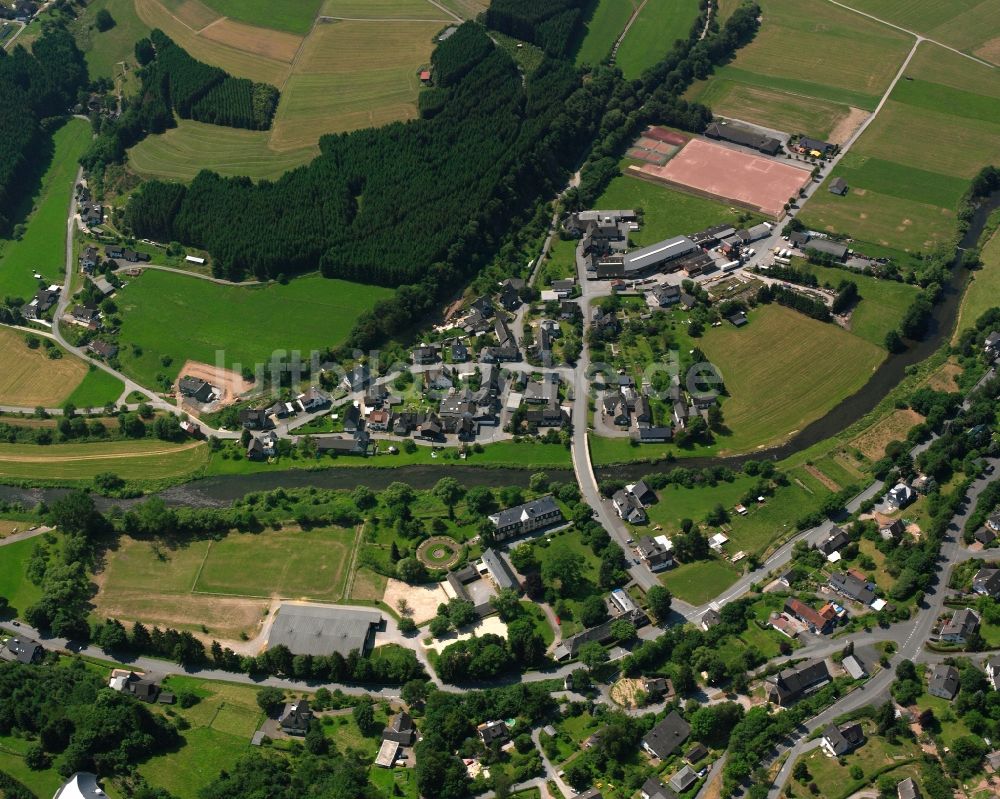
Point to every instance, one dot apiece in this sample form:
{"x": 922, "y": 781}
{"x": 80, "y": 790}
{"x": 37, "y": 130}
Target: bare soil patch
{"x": 422, "y": 599}
{"x": 990, "y": 51}
{"x": 944, "y": 378}
{"x": 229, "y": 383}
{"x": 826, "y": 480}
{"x": 846, "y": 126}
{"x": 894, "y": 427}
{"x": 624, "y": 692}
{"x": 279, "y": 45}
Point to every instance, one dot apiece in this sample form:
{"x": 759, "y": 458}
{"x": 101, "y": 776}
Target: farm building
{"x": 838, "y": 186}
{"x": 734, "y": 134}
{"x": 834, "y": 248}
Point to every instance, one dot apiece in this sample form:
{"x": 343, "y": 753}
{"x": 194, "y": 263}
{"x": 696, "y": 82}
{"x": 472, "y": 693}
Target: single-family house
{"x": 993, "y": 671}
{"x": 315, "y": 399}
{"x": 710, "y": 618}
{"x": 81, "y": 785}
{"x": 907, "y": 789}
{"x": 817, "y": 622}
{"x": 666, "y": 737}
{"x": 987, "y": 582}
{"x": 656, "y": 555}
{"x": 834, "y": 542}
{"x": 89, "y": 259}
{"x": 853, "y": 587}
{"x": 942, "y": 681}
{"x": 900, "y": 496}
{"x": 789, "y": 685}
{"x": 628, "y": 507}
{"x": 683, "y": 779}
{"x": 357, "y": 379}
{"x": 839, "y": 741}
{"x": 295, "y": 718}
{"x": 654, "y": 789}
{"x": 103, "y": 349}
{"x": 424, "y": 355}
{"x": 195, "y": 388}
{"x": 253, "y": 418}
{"x": 893, "y": 530}
{"x": 491, "y": 732}
{"x": 963, "y": 624}
{"x": 21, "y": 650}
{"x": 400, "y": 729}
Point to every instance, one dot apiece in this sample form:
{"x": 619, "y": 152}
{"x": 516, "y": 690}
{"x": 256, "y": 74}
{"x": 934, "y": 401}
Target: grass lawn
{"x": 28, "y": 377}
{"x": 396, "y": 782}
{"x": 700, "y": 581}
{"x": 42, "y": 249}
{"x": 983, "y": 290}
{"x": 571, "y": 541}
{"x": 158, "y": 307}
{"x": 41, "y": 783}
{"x": 603, "y": 29}
{"x": 541, "y": 621}
{"x": 294, "y": 16}
{"x": 652, "y": 35}
{"x": 222, "y": 724}
{"x": 144, "y": 459}
{"x": 97, "y": 389}
{"x": 817, "y": 364}
{"x": 874, "y": 757}
{"x": 951, "y": 726}
{"x": 882, "y": 305}
{"x": 20, "y": 592}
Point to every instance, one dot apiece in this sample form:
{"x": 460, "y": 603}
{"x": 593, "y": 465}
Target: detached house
{"x": 839, "y": 741}
{"x": 963, "y": 625}
{"x": 942, "y": 681}
{"x": 295, "y": 718}
{"x": 791, "y": 684}
{"x": 667, "y": 736}
{"x": 655, "y": 553}
{"x": 987, "y": 582}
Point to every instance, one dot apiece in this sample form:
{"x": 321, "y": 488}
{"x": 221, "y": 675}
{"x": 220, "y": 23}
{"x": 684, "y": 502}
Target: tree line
{"x": 550, "y": 24}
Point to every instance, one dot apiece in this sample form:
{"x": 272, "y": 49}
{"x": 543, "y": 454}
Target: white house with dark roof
{"x": 526, "y": 518}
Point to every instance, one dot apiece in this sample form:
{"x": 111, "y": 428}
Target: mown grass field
{"x": 807, "y": 50}
{"x": 603, "y": 29}
{"x": 29, "y": 378}
{"x": 767, "y": 106}
{"x": 181, "y": 317}
{"x": 42, "y": 249}
{"x": 357, "y": 68}
{"x": 882, "y": 305}
{"x": 909, "y": 170}
{"x": 969, "y": 25}
{"x": 700, "y": 581}
{"x": 983, "y": 290}
{"x": 97, "y": 389}
{"x": 78, "y": 463}
{"x": 20, "y": 592}
{"x": 104, "y": 51}
{"x": 221, "y": 725}
{"x": 653, "y": 33}
{"x": 811, "y": 365}
{"x": 12, "y": 751}
{"x": 834, "y": 777}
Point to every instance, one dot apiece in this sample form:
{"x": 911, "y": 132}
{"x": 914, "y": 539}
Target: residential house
{"x": 991, "y": 345}
{"x": 195, "y": 388}
{"x": 900, "y": 496}
{"x": 483, "y": 305}
{"x": 839, "y": 741}
{"x": 683, "y": 779}
{"x": 89, "y": 259}
{"x": 657, "y": 553}
{"x": 103, "y": 349}
{"x": 907, "y": 789}
{"x": 987, "y": 582}
{"x": 400, "y": 729}
{"x": 657, "y": 688}
{"x": 663, "y": 295}
{"x": 643, "y": 412}
{"x": 86, "y": 315}
{"x": 269, "y": 443}
{"x": 942, "y": 681}
{"x": 710, "y": 618}
{"x": 315, "y": 399}
{"x": 114, "y": 251}
{"x": 818, "y": 623}
{"x": 424, "y": 355}
{"x": 255, "y": 449}
{"x": 21, "y": 650}
{"x": 82, "y": 785}
{"x": 295, "y": 718}
{"x": 651, "y": 435}
{"x": 378, "y": 420}
{"x": 459, "y": 352}
{"x": 357, "y": 379}
{"x": 993, "y": 671}
{"x": 834, "y": 542}
{"x": 963, "y": 625}
{"x": 602, "y": 633}
{"x": 629, "y": 508}
{"x": 564, "y": 288}
{"x": 510, "y": 293}
{"x": 615, "y": 409}
{"x": 143, "y": 688}
{"x": 993, "y": 522}
{"x": 853, "y": 587}
{"x": 351, "y": 417}
{"x": 41, "y": 303}
{"x": 789, "y": 685}
{"x": 491, "y": 732}
{"x": 521, "y": 519}
{"x": 358, "y": 444}
{"x": 893, "y": 530}
{"x": 696, "y": 754}
{"x": 854, "y": 667}
{"x": 654, "y": 789}
{"x": 667, "y": 736}
{"x": 569, "y": 310}
{"x": 985, "y": 536}
{"x": 552, "y": 415}
{"x": 191, "y": 429}
{"x": 253, "y": 418}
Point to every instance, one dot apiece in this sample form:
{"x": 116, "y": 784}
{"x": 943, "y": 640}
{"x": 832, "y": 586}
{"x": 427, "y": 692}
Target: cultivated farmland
{"x": 78, "y": 463}
{"x": 42, "y": 248}
{"x": 29, "y": 378}
{"x": 355, "y": 67}
{"x": 159, "y": 311}
{"x": 817, "y": 365}
{"x": 914, "y": 162}
{"x": 653, "y": 33}
{"x": 807, "y": 50}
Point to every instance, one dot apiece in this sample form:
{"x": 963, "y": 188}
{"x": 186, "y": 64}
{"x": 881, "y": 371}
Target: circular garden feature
{"x": 439, "y": 552}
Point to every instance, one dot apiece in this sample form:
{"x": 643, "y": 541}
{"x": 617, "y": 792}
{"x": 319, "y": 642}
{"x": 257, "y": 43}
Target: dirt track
{"x": 227, "y": 381}
{"x": 104, "y": 456}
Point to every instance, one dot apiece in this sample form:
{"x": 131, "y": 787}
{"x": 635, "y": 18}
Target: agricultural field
{"x": 882, "y": 305}
{"x": 807, "y": 51}
{"x": 603, "y": 29}
{"x": 42, "y": 248}
{"x": 909, "y": 170}
{"x": 158, "y": 309}
{"x": 221, "y": 725}
{"x": 355, "y": 68}
{"x": 972, "y": 26}
{"x": 817, "y": 365}
{"x": 983, "y": 290}
{"x": 29, "y": 378}
{"x": 224, "y": 584}
{"x": 652, "y": 35}
{"x": 97, "y": 389}
{"x": 79, "y": 463}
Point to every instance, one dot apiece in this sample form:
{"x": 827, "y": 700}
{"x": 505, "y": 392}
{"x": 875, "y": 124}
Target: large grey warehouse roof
{"x": 649, "y": 257}
{"x": 322, "y": 630}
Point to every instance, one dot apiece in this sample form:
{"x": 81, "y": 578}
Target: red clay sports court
{"x": 739, "y": 177}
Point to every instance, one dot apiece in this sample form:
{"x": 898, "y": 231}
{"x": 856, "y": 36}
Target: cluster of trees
{"x": 790, "y": 274}
{"x": 550, "y": 24}
{"x": 815, "y": 309}
{"x": 437, "y": 192}
{"x": 847, "y": 296}
{"x": 36, "y": 86}
{"x": 76, "y": 722}
{"x": 328, "y": 773}
{"x": 238, "y": 103}
{"x": 983, "y": 185}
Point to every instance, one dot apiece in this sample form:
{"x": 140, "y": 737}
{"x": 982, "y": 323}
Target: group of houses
{"x": 40, "y": 304}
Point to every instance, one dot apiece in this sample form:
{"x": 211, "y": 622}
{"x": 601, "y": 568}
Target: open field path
{"x": 447, "y": 11}
{"x": 221, "y": 281}
{"x": 393, "y": 19}
{"x": 618, "y": 42}
{"x": 24, "y": 535}
{"x": 919, "y": 37}
{"x": 104, "y": 456}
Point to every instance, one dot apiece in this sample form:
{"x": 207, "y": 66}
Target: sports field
{"x": 145, "y": 459}
{"x": 355, "y": 67}
{"x": 732, "y": 175}
{"x": 42, "y": 249}
{"x": 186, "y": 318}
{"x": 913, "y": 163}
{"x": 782, "y": 371}
{"x": 29, "y": 378}
{"x": 225, "y": 583}
{"x": 983, "y": 291}
{"x": 969, "y": 25}
{"x": 652, "y": 35}
{"x": 805, "y": 51}
{"x": 603, "y": 29}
